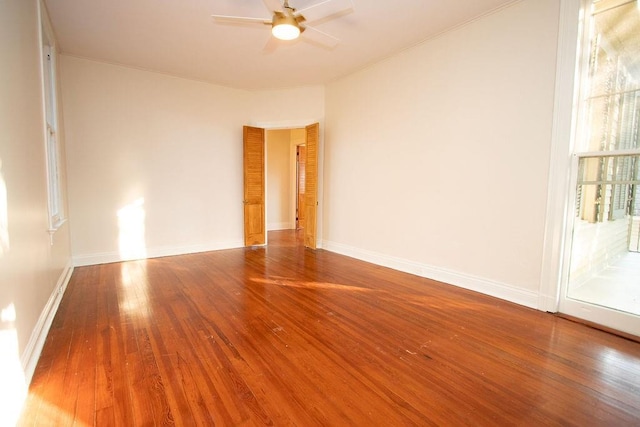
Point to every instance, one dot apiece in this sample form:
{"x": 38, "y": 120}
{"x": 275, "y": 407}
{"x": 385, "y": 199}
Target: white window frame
{"x": 50, "y": 107}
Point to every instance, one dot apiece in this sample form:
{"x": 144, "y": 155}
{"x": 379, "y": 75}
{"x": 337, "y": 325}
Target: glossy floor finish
{"x": 288, "y": 336}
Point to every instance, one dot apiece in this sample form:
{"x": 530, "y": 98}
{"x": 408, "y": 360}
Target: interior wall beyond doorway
{"x": 281, "y": 176}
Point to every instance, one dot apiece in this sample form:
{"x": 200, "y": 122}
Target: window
{"x": 56, "y": 216}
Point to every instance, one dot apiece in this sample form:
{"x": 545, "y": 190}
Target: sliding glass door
{"x": 603, "y": 283}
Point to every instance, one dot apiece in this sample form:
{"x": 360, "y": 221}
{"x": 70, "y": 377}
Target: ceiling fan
{"x": 288, "y": 23}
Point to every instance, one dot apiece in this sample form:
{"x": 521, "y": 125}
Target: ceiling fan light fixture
{"x": 285, "y": 27}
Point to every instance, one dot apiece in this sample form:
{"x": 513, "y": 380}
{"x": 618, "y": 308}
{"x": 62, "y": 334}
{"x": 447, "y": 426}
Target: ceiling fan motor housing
{"x": 285, "y": 25}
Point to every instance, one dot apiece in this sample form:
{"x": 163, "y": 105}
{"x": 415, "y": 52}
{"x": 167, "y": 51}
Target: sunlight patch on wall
{"x": 4, "y": 221}
{"x": 13, "y": 387}
{"x": 131, "y": 231}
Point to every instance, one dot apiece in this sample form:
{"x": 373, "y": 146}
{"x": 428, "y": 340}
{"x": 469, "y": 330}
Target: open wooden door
{"x": 311, "y": 186}
{"x": 254, "y": 219}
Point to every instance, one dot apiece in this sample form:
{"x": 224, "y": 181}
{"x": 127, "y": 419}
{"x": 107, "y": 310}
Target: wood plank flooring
{"x": 287, "y": 336}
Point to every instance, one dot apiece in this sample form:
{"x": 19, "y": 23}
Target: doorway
{"x": 602, "y": 277}
{"x": 282, "y": 178}
{"x": 274, "y": 197}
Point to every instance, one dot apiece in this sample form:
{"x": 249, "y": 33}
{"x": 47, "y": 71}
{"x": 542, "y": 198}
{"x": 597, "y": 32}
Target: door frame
{"x": 557, "y": 230}
{"x": 296, "y": 124}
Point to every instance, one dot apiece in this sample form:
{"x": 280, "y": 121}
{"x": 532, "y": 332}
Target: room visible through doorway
{"x": 283, "y": 182}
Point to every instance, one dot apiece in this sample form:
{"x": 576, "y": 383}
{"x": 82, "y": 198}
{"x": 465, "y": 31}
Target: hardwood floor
{"x": 287, "y": 336}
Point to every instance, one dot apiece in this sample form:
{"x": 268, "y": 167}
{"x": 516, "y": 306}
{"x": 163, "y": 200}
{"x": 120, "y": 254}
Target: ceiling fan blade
{"x": 271, "y": 45}
{"x": 240, "y": 19}
{"x": 315, "y": 36}
{"x": 325, "y": 10}
{"x": 273, "y": 5}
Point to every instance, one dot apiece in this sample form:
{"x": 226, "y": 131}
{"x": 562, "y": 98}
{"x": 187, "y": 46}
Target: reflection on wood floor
{"x": 283, "y": 335}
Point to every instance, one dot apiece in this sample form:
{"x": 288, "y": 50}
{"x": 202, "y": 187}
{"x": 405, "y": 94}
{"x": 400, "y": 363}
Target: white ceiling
{"x": 180, "y": 38}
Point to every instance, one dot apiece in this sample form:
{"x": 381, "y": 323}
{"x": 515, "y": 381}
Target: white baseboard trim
{"x": 462, "y": 280}
{"x": 157, "y": 252}
{"x": 280, "y": 226}
{"x": 31, "y": 354}
{"x": 547, "y": 303}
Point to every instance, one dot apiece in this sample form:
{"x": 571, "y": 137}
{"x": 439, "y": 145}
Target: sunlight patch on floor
{"x": 310, "y": 285}
{"x": 134, "y": 298}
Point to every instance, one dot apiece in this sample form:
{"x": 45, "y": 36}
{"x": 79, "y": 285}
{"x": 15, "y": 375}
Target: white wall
{"x": 155, "y": 162}
{"x": 437, "y": 159}
{"x": 31, "y": 267}
{"x": 164, "y": 151}
{"x": 279, "y": 180}
{"x": 288, "y": 108}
